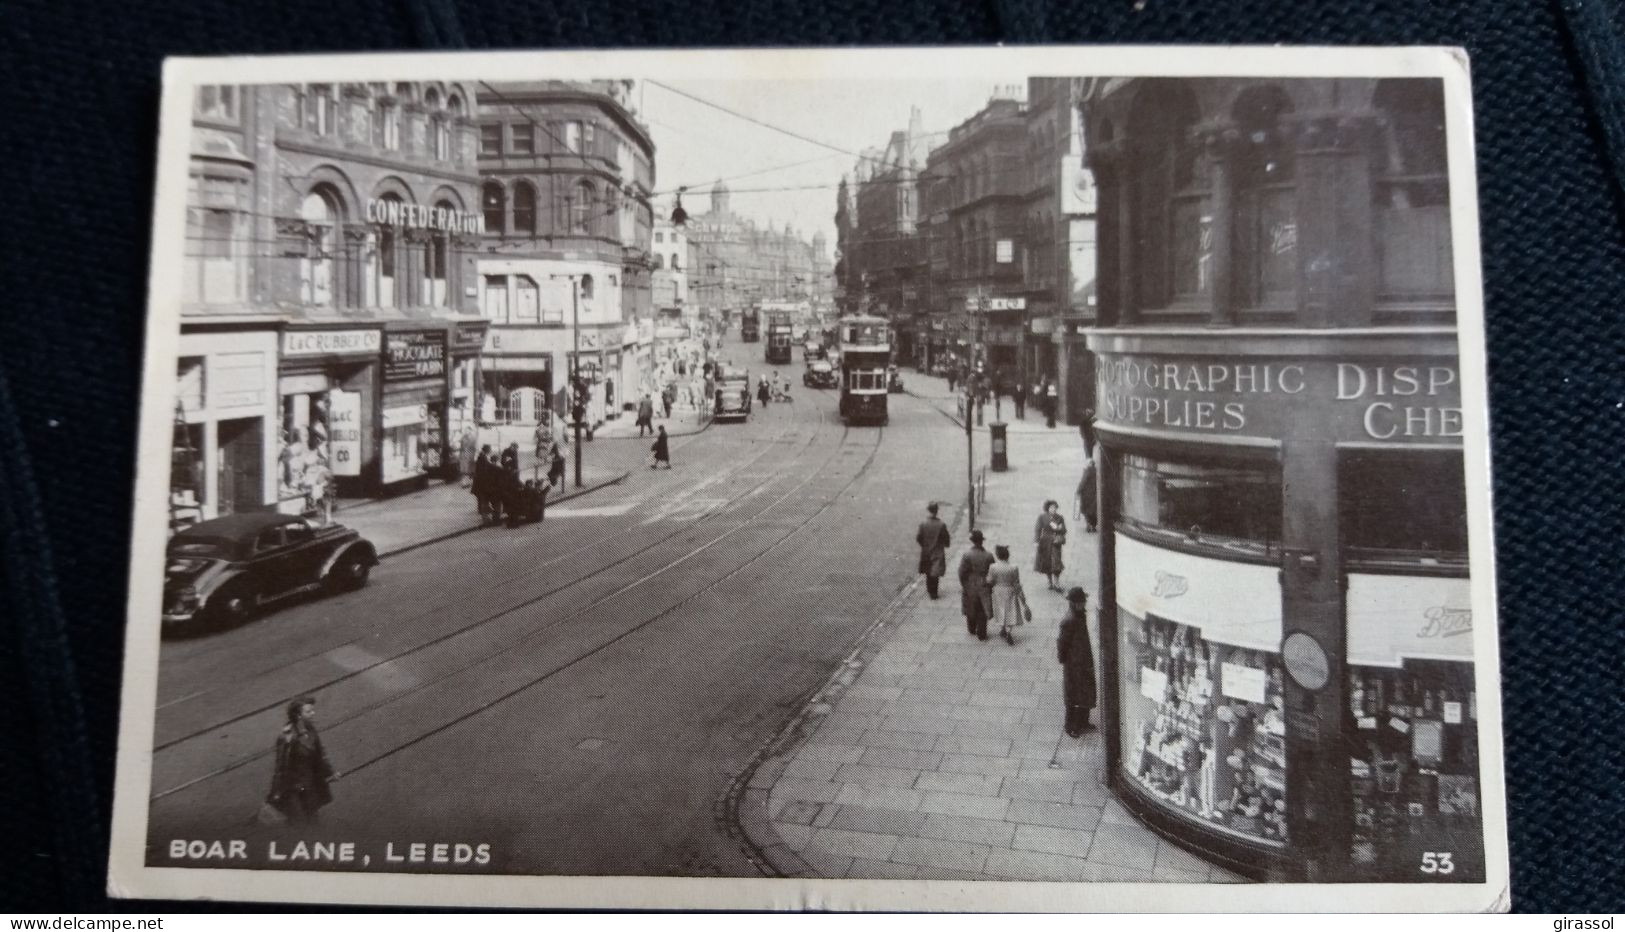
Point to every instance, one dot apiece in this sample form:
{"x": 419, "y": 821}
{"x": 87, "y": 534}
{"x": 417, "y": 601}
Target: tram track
{"x": 690, "y": 522}
{"x": 768, "y": 446}
{"x": 836, "y": 456}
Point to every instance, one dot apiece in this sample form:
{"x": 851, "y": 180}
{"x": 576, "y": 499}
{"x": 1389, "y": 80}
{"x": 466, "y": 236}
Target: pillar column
{"x": 1219, "y": 141}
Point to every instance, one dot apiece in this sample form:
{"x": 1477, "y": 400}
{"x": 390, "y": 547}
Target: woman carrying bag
{"x": 1050, "y": 536}
{"x": 1009, "y": 600}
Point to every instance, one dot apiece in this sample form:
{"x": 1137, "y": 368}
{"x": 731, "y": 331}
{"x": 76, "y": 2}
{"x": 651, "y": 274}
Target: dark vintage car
{"x": 222, "y": 571}
{"x": 819, "y": 374}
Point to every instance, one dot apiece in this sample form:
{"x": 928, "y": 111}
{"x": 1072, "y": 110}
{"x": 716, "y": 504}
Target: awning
{"x": 1233, "y": 603}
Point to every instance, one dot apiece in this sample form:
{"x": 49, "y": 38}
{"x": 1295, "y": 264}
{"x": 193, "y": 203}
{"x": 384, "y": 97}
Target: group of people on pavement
{"x": 991, "y": 590}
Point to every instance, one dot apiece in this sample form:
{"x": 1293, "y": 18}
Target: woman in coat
{"x": 1050, "y": 536}
{"x": 299, "y": 782}
{"x": 1077, "y": 658}
{"x": 1009, "y": 601}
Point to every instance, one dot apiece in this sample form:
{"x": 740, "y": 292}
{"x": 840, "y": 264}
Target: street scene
{"x": 1001, "y": 478}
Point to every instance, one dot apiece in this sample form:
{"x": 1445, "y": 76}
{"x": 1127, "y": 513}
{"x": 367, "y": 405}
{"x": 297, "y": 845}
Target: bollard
{"x": 999, "y": 446}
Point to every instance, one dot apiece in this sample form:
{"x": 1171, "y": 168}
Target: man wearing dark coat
{"x": 973, "y": 592}
{"x": 933, "y": 540}
{"x": 1077, "y": 658}
{"x": 484, "y": 482}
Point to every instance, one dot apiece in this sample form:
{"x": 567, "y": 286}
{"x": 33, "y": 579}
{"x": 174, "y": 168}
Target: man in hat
{"x": 973, "y": 594}
{"x": 1077, "y": 658}
{"x": 933, "y": 540}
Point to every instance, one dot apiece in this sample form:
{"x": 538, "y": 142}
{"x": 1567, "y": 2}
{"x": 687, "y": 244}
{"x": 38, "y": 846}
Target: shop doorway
{"x": 240, "y": 455}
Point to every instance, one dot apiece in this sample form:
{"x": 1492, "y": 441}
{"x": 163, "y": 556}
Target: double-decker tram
{"x": 749, "y": 325}
{"x": 865, "y": 346}
{"x": 779, "y": 331}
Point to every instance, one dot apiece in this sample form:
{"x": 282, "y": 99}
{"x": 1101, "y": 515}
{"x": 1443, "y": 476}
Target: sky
{"x": 695, "y": 144}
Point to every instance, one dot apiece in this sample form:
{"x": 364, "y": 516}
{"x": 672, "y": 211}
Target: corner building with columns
{"x": 1285, "y": 617}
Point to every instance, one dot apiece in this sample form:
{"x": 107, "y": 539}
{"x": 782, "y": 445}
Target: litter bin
{"x": 1001, "y": 455}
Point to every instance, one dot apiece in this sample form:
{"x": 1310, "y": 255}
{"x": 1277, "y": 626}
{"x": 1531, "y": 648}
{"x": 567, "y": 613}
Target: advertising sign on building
{"x": 344, "y": 432}
{"x": 416, "y": 355}
{"x": 329, "y": 342}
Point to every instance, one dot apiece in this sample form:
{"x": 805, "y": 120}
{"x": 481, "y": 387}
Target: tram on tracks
{"x": 865, "y": 352}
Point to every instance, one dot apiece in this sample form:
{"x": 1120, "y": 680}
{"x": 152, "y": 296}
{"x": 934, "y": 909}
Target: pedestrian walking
{"x": 1005, "y": 595}
{"x": 762, "y": 393}
{"x": 953, "y": 377}
{"x": 544, "y": 437}
{"x": 1052, "y": 400}
{"x": 1019, "y": 397}
{"x": 1050, "y": 536}
{"x": 1077, "y": 657}
{"x": 468, "y": 449}
{"x": 932, "y": 537}
{"x": 973, "y": 594}
{"x": 646, "y": 415}
{"x": 302, "y": 772}
{"x": 1086, "y": 430}
{"x": 1088, "y": 499}
{"x": 661, "y": 450}
{"x": 555, "y": 469}
{"x": 667, "y": 398}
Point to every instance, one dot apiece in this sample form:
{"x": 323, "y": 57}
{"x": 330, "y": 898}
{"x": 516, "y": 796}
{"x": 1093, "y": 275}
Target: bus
{"x": 779, "y": 328}
{"x": 748, "y": 325}
{"x": 865, "y": 350}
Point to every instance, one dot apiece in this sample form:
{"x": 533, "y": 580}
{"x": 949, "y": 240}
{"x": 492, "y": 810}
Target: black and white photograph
{"x": 878, "y": 479}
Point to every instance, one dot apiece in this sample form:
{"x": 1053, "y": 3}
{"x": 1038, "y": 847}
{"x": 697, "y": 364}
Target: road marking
{"x": 592, "y": 511}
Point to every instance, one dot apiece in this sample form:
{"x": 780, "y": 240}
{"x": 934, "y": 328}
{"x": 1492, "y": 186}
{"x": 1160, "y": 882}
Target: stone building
{"x": 736, "y": 262}
{"x": 566, "y": 171}
{"x": 1283, "y": 512}
{"x": 328, "y": 324}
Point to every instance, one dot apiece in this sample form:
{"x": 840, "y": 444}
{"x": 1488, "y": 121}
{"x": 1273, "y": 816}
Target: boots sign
{"x": 1399, "y": 400}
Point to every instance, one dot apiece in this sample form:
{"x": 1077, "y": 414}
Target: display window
{"x": 406, "y": 445}
{"x": 1403, "y": 508}
{"x": 303, "y": 465}
{"x": 1202, "y": 727}
{"x": 1236, "y": 507}
{"x": 1414, "y": 772}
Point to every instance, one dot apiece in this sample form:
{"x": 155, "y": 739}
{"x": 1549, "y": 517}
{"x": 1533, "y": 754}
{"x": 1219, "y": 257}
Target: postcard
{"x": 886, "y": 479}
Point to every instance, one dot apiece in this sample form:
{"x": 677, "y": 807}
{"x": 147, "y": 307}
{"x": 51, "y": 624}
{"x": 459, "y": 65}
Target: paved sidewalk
{"x": 932, "y": 755}
{"x": 685, "y": 421}
{"x": 935, "y": 390}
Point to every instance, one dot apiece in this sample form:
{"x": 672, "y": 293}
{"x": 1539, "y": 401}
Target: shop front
{"x": 413, "y": 441}
{"x": 519, "y": 377}
{"x": 327, "y": 390}
{"x": 225, "y": 421}
{"x": 467, "y": 341}
{"x": 1286, "y": 615}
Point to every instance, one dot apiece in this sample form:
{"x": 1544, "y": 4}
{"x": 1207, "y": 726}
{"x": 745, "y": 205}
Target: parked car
{"x": 223, "y": 570}
{"x": 894, "y": 379}
{"x": 819, "y": 374}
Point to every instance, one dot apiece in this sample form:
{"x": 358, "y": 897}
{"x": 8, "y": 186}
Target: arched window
{"x": 660, "y": 261}
{"x": 318, "y": 268}
{"x": 388, "y": 255}
{"x": 1170, "y": 229}
{"x": 439, "y": 265}
{"x": 676, "y": 263}
{"x": 582, "y": 207}
{"x": 1266, "y": 220}
{"x": 447, "y": 127}
{"x": 524, "y": 208}
{"x": 389, "y": 122}
{"x": 494, "y": 203}
{"x": 1412, "y": 192}
{"x": 586, "y": 287}
{"x": 323, "y": 116}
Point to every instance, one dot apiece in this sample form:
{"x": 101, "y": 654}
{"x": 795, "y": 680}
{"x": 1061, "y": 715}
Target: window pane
{"x": 1215, "y": 504}
{"x": 1403, "y": 505}
{"x": 490, "y": 139}
{"x": 1193, "y": 247}
{"x": 1278, "y": 270}
{"x": 523, "y": 138}
{"x": 495, "y": 304}
{"x": 527, "y": 300}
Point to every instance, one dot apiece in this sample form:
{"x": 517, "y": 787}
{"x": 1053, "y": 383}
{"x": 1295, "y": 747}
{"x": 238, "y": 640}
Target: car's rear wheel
{"x": 351, "y": 572}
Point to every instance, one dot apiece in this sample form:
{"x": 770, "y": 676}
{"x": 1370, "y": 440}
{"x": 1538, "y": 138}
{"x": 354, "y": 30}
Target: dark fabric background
{"x": 79, "y": 87}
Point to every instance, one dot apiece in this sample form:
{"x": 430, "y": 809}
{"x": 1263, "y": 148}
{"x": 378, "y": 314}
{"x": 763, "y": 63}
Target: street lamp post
{"x": 578, "y": 407}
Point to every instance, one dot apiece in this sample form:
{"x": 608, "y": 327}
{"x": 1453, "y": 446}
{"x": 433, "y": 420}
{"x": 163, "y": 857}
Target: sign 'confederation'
{"x": 1389, "y": 400}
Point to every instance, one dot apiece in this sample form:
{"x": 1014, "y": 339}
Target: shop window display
{"x": 1202, "y": 727}
{"x": 1414, "y": 772}
{"x": 303, "y": 466}
{"x": 1234, "y": 506}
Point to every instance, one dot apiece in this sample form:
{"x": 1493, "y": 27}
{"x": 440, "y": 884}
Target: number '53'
{"x": 1437, "y": 862}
